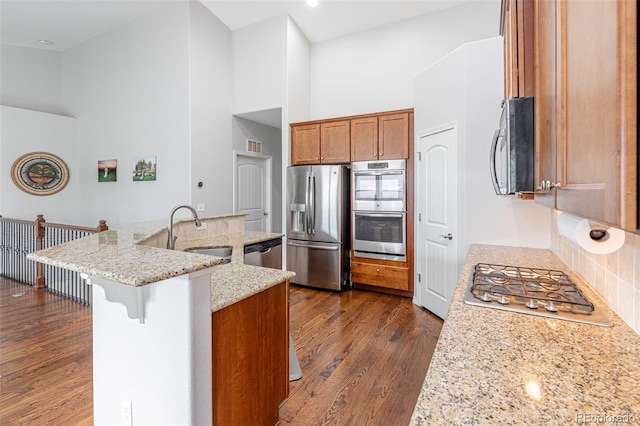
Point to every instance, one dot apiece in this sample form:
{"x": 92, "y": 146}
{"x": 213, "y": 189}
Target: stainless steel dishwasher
{"x": 267, "y": 254}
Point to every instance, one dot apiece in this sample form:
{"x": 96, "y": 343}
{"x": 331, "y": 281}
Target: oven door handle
{"x": 390, "y": 172}
{"x": 398, "y": 215}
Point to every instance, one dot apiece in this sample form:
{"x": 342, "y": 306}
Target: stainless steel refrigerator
{"x": 318, "y": 234}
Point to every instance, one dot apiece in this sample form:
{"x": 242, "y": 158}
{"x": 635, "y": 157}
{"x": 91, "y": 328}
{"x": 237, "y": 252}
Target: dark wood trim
{"x": 352, "y": 117}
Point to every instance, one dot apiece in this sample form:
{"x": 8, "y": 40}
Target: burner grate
{"x": 530, "y": 286}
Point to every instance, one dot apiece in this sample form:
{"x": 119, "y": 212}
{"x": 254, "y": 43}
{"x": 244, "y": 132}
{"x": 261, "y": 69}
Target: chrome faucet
{"x": 171, "y": 240}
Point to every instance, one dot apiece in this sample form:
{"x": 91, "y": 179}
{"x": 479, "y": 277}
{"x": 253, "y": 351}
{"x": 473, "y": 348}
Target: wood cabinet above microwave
{"x": 517, "y": 28}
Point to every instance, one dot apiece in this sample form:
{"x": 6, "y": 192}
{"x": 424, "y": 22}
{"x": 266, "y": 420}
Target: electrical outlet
{"x": 127, "y": 418}
{"x": 203, "y": 226}
{"x": 200, "y": 207}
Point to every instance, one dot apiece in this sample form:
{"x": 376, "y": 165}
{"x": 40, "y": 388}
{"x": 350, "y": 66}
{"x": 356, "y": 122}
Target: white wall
{"x": 129, "y": 89}
{"x": 161, "y": 367}
{"x": 210, "y": 90}
{"x": 259, "y": 66}
{"x": 374, "y": 70}
{"x": 298, "y": 74}
{"x": 466, "y": 87}
{"x": 30, "y": 79}
{"x": 23, "y": 131}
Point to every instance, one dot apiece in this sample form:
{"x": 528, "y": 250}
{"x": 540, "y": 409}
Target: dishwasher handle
{"x": 263, "y": 247}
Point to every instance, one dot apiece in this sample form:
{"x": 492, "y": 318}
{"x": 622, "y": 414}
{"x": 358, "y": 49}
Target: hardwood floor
{"x": 45, "y": 358}
{"x": 363, "y": 357}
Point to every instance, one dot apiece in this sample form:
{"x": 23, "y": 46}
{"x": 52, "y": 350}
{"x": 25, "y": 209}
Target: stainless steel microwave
{"x": 512, "y": 149}
{"x": 378, "y": 185}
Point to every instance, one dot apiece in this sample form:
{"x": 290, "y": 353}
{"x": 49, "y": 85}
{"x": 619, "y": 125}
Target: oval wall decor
{"x": 40, "y": 173}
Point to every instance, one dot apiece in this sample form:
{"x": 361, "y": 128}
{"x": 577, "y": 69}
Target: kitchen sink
{"x": 223, "y": 252}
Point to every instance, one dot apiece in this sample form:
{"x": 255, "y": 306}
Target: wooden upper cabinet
{"x": 596, "y": 89}
{"x": 393, "y": 136}
{"x": 382, "y": 137}
{"x": 545, "y": 101}
{"x": 364, "y": 139}
{"x": 305, "y": 144}
{"x": 585, "y": 109}
{"x": 517, "y": 28}
{"x": 370, "y": 137}
{"x": 335, "y": 142}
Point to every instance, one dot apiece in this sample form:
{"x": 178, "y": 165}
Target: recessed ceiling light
{"x": 312, "y": 3}
{"x": 45, "y": 41}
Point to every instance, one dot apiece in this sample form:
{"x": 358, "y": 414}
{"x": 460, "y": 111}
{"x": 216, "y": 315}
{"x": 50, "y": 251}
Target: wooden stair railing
{"x": 21, "y": 237}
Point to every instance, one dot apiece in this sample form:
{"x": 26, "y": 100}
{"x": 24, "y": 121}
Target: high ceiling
{"x": 67, "y": 23}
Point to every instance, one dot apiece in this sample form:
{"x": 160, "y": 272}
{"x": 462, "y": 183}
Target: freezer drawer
{"x": 316, "y": 264}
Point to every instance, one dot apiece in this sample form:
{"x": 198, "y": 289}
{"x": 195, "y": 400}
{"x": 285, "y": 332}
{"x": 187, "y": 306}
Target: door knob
{"x": 448, "y": 236}
{"x": 265, "y": 213}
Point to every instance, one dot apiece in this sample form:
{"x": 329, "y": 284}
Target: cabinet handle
{"x": 547, "y": 185}
{"x": 377, "y": 270}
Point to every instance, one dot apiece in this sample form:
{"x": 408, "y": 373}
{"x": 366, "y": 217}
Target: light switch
{"x": 200, "y": 207}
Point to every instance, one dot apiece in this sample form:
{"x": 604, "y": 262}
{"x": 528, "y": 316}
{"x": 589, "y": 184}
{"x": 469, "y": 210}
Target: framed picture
{"x": 107, "y": 170}
{"x": 144, "y": 168}
{"x": 40, "y": 173}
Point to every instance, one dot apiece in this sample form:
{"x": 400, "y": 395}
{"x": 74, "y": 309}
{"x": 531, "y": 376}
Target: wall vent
{"x": 254, "y": 146}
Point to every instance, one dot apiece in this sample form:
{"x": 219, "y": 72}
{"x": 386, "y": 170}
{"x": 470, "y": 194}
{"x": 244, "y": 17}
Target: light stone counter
{"x": 134, "y": 255}
{"x": 498, "y": 367}
{"x": 235, "y": 281}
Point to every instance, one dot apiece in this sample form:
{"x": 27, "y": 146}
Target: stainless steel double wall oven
{"x": 379, "y": 222}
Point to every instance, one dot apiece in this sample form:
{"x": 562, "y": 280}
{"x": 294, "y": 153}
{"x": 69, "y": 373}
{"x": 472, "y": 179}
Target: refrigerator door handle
{"x": 312, "y": 205}
{"x": 307, "y": 204}
{"x": 313, "y": 246}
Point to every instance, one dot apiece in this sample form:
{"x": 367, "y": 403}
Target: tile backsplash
{"x": 615, "y": 277}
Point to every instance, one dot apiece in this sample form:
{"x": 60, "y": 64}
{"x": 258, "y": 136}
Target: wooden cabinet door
{"x": 380, "y": 275}
{"x": 250, "y": 348}
{"x": 364, "y": 139}
{"x": 596, "y": 87}
{"x": 517, "y": 27}
{"x": 335, "y": 144}
{"x": 305, "y": 144}
{"x": 393, "y": 136}
{"x": 508, "y": 30}
{"x": 545, "y": 102}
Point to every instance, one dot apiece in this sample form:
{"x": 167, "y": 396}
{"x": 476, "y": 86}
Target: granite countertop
{"x": 499, "y": 367}
{"x": 116, "y": 255}
{"x": 235, "y": 281}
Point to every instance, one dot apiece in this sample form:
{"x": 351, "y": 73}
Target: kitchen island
{"x": 162, "y": 333}
{"x": 498, "y": 367}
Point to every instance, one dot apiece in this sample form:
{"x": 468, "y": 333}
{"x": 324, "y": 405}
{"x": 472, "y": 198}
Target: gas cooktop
{"x": 533, "y": 291}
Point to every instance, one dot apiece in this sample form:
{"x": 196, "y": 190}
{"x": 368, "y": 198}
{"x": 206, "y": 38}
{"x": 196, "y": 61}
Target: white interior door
{"x": 436, "y": 205}
{"x": 253, "y": 191}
